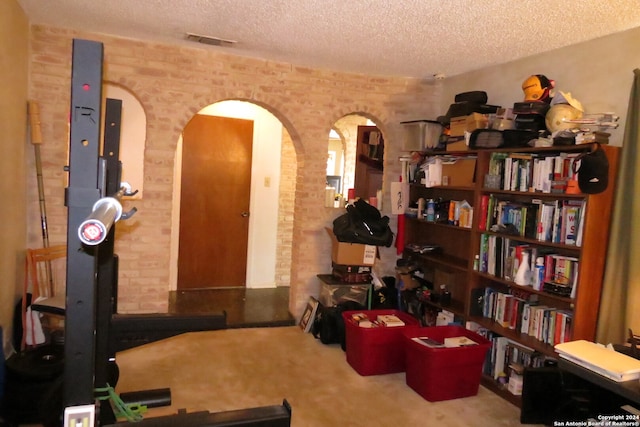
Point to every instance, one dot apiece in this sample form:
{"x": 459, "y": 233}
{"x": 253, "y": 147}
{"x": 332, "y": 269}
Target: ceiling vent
{"x": 213, "y": 41}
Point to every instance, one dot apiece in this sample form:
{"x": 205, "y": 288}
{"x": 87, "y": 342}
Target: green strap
{"x": 131, "y": 412}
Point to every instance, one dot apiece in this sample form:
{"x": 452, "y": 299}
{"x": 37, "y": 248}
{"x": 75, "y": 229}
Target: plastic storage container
{"x": 378, "y": 350}
{"x": 444, "y": 373}
{"x": 333, "y": 291}
{"x": 420, "y": 135}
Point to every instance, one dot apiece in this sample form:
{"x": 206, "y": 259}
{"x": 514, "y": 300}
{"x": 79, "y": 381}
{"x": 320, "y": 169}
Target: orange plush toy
{"x": 537, "y": 88}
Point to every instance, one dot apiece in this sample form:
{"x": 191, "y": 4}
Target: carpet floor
{"x": 242, "y": 368}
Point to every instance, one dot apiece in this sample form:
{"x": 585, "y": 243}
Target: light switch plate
{"x": 80, "y": 416}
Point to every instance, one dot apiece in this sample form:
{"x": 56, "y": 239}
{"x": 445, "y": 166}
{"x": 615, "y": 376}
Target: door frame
{"x": 264, "y": 205}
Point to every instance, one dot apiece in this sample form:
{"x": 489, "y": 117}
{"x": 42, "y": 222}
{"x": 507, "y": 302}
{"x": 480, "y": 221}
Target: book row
{"x": 555, "y": 221}
{"x": 507, "y": 359}
{"x": 537, "y": 172}
{"x": 546, "y": 324}
{"x": 527, "y": 265}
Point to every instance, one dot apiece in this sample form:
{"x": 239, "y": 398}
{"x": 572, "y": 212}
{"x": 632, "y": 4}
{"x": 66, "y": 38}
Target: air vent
{"x": 213, "y": 41}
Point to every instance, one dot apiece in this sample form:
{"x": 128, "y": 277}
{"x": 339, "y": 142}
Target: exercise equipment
{"x": 93, "y": 330}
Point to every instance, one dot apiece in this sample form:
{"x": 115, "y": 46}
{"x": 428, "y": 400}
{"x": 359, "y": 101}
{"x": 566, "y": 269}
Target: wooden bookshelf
{"x": 459, "y": 246}
{"x": 369, "y": 162}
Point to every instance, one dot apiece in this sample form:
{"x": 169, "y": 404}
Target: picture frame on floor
{"x": 309, "y": 314}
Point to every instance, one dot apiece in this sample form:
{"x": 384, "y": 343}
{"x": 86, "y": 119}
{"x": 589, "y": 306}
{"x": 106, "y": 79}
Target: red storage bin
{"x": 379, "y": 350}
{"x": 444, "y": 373}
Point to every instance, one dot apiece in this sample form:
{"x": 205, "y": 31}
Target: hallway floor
{"x": 245, "y": 308}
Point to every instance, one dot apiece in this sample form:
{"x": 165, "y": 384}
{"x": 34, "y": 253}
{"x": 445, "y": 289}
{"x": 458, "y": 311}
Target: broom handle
{"x": 36, "y": 140}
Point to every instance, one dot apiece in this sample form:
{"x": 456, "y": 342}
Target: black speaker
{"x": 541, "y": 395}
{"x": 550, "y": 394}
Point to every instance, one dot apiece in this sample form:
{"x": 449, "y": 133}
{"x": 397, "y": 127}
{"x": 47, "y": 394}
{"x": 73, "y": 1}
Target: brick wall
{"x": 286, "y": 206}
{"x": 172, "y": 84}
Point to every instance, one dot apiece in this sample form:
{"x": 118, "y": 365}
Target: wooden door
{"x": 214, "y": 202}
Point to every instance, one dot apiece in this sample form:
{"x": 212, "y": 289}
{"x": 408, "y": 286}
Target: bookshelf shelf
{"x": 448, "y": 188}
{"x": 456, "y": 307}
{"x": 561, "y": 246}
{"x": 439, "y": 224}
{"x": 456, "y": 191}
{"x": 525, "y": 289}
{"x": 534, "y": 194}
{"x": 577, "y": 252}
{"x": 444, "y": 260}
{"x": 374, "y": 163}
{"x": 520, "y": 338}
{"x": 499, "y": 389}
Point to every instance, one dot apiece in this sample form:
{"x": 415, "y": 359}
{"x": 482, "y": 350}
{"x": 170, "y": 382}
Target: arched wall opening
{"x": 273, "y": 183}
{"x": 132, "y": 136}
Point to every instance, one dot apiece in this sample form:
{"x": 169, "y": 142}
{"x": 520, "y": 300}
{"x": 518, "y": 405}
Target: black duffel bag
{"x": 363, "y": 224}
{"x": 328, "y": 325}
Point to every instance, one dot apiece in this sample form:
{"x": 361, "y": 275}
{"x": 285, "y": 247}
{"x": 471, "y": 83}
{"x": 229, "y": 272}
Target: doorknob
{"x": 244, "y": 214}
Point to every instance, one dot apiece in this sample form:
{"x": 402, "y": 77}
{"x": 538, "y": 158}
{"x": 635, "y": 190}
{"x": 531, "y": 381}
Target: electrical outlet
{"x": 80, "y": 416}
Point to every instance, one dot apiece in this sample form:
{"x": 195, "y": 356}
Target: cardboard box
{"x": 406, "y": 281}
{"x": 459, "y": 172}
{"x": 351, "y": 253}
{"x": 515, "y": 384}
{"x": 473, "y": 121}
{"x": 460, "y": 145}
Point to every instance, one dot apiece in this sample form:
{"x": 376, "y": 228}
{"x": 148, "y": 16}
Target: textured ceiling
{"x": 410, "y": 38}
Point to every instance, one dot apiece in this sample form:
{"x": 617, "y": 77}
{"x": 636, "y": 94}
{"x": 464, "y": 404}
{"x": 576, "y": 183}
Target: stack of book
{"x": 362, "y": 320}
{"x": 389, "y": 320}
{"x": 450, "y": 342}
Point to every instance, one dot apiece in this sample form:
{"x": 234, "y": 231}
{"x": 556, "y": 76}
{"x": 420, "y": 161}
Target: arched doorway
{"x": 133, "y": 135}
{"x": 273, "y": 174}
{"x": 347, "y": 131}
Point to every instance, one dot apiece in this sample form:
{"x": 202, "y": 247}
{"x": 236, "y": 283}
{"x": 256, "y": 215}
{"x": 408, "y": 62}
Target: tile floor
{"x": 244, "y": 307}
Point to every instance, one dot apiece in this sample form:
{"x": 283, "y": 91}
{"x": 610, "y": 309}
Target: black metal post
{"x": 81, "y": 194}
{"x": 106, "y": 370}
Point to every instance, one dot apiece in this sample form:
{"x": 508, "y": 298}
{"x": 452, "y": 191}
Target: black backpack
{"x": 328, "y": 325}
{"x": 363, "y": 224}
